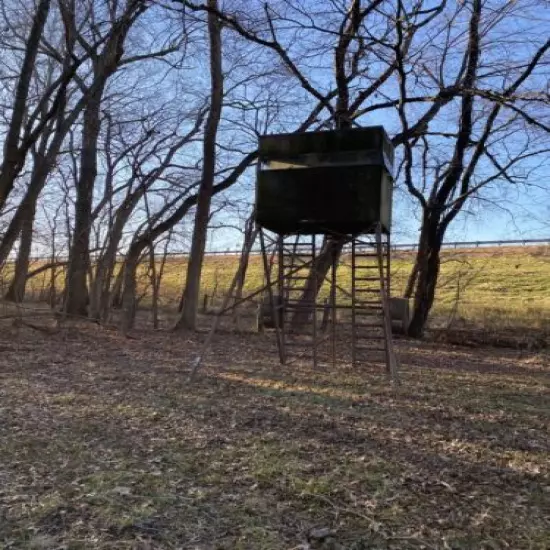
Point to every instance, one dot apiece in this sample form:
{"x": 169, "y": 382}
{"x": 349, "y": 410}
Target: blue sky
{"x": 504, "y": 212}
{"x": 522, "y": 212}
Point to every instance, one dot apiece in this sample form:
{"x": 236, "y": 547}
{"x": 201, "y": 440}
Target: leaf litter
{"x": 106, "y": 445}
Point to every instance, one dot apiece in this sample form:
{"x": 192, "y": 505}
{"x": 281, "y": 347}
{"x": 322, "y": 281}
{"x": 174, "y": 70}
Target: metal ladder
{"x": 370, "y": 310}
{"x": 300, "y": 330}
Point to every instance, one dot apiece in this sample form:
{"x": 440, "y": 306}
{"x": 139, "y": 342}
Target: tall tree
{"x": 44, "y": 153}
{"x": 191, "y": 293}
{"x": 487, "y": 148}
{"x": 149, "y": 164}
{"x": 104, "y": 65}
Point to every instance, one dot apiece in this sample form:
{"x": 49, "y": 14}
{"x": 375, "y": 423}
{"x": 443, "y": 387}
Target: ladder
{"x": 297, "y": 255}
{"x": 370, "y": 310}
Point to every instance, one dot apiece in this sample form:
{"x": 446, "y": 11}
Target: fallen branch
{"x": 19, "y": 322}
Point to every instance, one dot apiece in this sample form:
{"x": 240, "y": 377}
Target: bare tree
{"x": 180, "y": 206}
{"x": 112, "y": 158}
{"x": 152, "y": 155}
{"x": 191, "y": 293}
{"x": 395, "y": 58}
{"x": 28, "y": 122}
{"x": 482, "y": 153}
{"x": 104, "y": 65}
{"x": 44, "y": 156}
{"x": 14, "y": 150}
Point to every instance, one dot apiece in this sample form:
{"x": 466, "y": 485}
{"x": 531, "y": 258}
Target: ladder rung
{"x": 372, "y": 279}
{"x": 364, "y": 348}
{"x": 358, "y": 306}
{"x": 293, "y": 309}
{"x": 367, "y": 290}
{"x": 300, "y": 263}
{"x": 367, "y": 267}
{"x": 294, "y": 290}
{"x": 368, "y": 303}
{"x": 373, "y": 337}
{"x": 295, "y": 323}
{"x": 362, "y": 325}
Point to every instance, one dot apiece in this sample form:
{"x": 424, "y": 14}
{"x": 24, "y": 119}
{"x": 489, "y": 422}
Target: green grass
{"x": 498, "y": 287}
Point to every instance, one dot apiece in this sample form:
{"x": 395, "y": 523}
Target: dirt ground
{"x": 106, "y": 445}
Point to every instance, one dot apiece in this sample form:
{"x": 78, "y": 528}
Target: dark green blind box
{"x": 335, "y": 182}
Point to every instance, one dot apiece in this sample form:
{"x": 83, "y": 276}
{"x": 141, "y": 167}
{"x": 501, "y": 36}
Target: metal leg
{"x": 391, "y": 363}
{"x": 333, "y": 308}
{"x": 282, "y": 293}
{"x": 353, "y": 303}
{"x": 388, "y": 266}
{"x": 274, "y": 309}
{"x": 314, "y": 304}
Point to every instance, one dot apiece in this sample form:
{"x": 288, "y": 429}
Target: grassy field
{"x": 106, "y": 446}
{"x": 487, "y": 287}
{"x": 491, "y": 288}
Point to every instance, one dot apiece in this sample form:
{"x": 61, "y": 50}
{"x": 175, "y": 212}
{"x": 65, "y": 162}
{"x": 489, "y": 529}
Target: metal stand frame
{"x": 298, "y": 336}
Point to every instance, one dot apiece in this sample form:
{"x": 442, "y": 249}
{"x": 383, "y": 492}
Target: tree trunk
{"x": 76, "y": 287}
{"x": 154, "y": 287}
{"x": 153, "y": 233}
{"x": 76, "y": 296}
{"x": 250, "y": 235}
{"x": 101, "y": 284}
{"x": 330, "y": 251}
{"x": 24, "y": 212}
{"x": 191, "y": 295}
{"x": 16, "y": 291}
{"x": 26, "y": 209}
{"x": 115, "y": 296}
{"x": 129, "y": 288}
{"x": 100, "y": 289}
{"x": 411, "y": 282}
{"x": 427, "y": 266}
{"x": 104, "y": 66}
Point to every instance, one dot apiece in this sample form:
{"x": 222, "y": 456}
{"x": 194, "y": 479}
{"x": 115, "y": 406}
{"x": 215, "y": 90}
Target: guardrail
{"x": 403, "y": 246}
{"x": 397, "y": 246}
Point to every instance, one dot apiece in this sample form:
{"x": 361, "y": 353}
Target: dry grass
{"x": 497, "y": 288}
{"x": 106, "y": 446}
